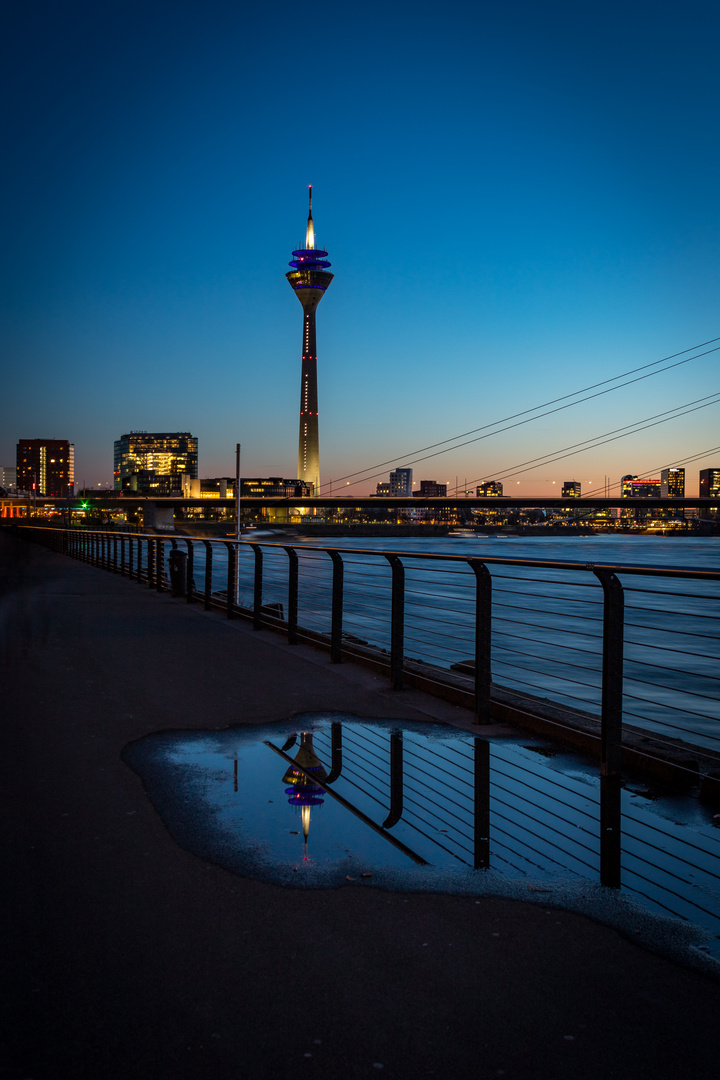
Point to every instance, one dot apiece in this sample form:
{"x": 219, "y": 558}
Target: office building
{"x": 632, "y": 488}
{"x": 223, "y": 487}
{"x": 153, "y": 463}
{"x": 672, "y": 483}
{"x": 8, "y": 478}
{"x": 383, "y": 488}
{"x": 571, "y": 489}
{"x": 46, "y": 467}
{"x": 429, "y": 489}
{"x": 489, "y": 490}
{"x": 310, "y": 279}
{"x": 401, "y": 483}
{"x": 710, "y": 483}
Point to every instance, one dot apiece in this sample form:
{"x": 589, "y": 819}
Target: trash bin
{"x": 178, "y": 572}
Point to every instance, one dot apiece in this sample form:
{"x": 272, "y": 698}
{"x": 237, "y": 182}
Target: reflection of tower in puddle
{"x": 303, "y": 790}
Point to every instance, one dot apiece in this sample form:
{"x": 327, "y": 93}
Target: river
{"x": 547, "y": 624}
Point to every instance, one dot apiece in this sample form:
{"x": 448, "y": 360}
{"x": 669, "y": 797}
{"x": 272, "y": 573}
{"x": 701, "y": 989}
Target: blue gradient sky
{"x": 518, "y": 201}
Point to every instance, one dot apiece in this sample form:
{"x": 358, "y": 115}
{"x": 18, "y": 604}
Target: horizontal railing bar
{"x": 631, "y": 871}
{"x": 676, "y": 858}
{"x": 548, "y": 858}
{"x": 547, "y": 810}
{"x": 667, "y": 705}
{"x": 629, "y": 677}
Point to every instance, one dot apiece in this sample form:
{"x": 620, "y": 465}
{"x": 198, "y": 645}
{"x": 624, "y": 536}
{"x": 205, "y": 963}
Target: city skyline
{"x": 519, "y": 205}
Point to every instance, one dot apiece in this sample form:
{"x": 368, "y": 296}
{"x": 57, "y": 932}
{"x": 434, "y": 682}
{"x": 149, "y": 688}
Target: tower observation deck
{"x": 309, "y": 279}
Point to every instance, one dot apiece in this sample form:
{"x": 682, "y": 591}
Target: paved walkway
{"x": 127, "y": 957}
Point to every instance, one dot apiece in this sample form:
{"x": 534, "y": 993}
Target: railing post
{"x": 483, "y": 641}
{"x": 231, "y": 579}
{"x": 396, "y": 780}
{"x": 293, "y": 578}
{"x": 257, "y": 587}
{"x": 397, "y": 622}
{"x": 611, "y": 831}
{"x": 115, "y": 553}
{"x": 159, "y": 564}
{"x": 482, "y": 805}
{"x": 190, "y": 571}
{"x": 337, "y": 608}
{"x": 612, "y": 674}
{"x": 337, "y": 747}
{"x": 151, "y": 563}
{"x": 122, "y": 556}
{"x": 208, "y": 573}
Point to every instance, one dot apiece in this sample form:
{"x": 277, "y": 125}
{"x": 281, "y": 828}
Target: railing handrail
{"x": 101, "y": 547}
{"x": 546, "y": 564}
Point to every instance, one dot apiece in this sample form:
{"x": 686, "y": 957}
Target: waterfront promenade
{"x": 125, "y": 956}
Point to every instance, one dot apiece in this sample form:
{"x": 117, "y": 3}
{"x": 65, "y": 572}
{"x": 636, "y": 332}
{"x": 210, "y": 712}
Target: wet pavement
{"x": 130, "y": 955}
{"x": 425, "y": 807}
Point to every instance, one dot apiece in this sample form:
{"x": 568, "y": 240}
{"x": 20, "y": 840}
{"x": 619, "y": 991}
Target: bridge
{"x": 367, "y": 502}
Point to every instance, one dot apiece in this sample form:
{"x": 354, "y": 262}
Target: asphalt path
{"x": 126, "y": 956}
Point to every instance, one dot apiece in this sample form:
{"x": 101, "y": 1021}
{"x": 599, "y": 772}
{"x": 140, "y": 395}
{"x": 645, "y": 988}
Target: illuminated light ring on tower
{"x": 303, "y": 791}
{"x": 309, "y": 279}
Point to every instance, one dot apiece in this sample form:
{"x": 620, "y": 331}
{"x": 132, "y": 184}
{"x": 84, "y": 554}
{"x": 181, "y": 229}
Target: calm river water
{"x": 547, "y": 623}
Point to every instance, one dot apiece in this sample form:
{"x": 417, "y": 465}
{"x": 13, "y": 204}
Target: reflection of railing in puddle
{"x": 489, "y": 806}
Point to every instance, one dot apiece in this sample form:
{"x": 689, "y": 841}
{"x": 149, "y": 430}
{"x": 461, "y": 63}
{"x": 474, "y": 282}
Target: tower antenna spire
{"x": 310, "y": 233}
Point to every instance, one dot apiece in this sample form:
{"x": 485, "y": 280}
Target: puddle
{"x": 328, "y": 800}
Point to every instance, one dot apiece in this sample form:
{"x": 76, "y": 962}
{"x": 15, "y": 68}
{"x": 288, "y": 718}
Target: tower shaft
{"x": 309, "y": 438}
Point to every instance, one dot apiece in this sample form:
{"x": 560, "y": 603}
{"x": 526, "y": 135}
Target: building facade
{"x": 8, "y": 477}
{"x": 632, "y": 488}
{"x": 223, "y": 487}
{"x": 309, "y": 279}
{"x": 672, "y": 483}
{"x": 429, "y": 489}
{"x": 401, "y": 482}
{"x": 571, "y": 489}
{"x": 153, "y": 463}
{"x": 46, "y": 467}
{"x": 490, "y": 489}
{"x": 710, "y": 483}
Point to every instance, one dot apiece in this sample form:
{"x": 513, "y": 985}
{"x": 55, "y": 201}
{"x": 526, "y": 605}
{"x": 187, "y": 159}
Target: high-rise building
{"x": 571, "y": 489}
{"x": 401, "y": 483}
{"x": 153, "y": 463}
{"x": 46, "y": 466}
{"x": 310, "y": 279}
{"x": 710, "y": 483}
{"x": 672, "y": 483}
{"x": 489, "y": 489}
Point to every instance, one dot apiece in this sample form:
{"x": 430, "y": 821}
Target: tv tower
{"x": 309, "y": 278}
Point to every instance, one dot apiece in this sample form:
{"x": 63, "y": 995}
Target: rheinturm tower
{"x": 309, "y": 278}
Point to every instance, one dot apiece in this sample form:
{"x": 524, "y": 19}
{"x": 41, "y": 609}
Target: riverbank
{"x": 130, "y": 957}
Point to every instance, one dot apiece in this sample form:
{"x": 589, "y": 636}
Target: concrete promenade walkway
{"x": 126, "y": 957}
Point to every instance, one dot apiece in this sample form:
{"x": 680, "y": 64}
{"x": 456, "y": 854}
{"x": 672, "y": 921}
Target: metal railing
{"x": 615, "y": 644}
